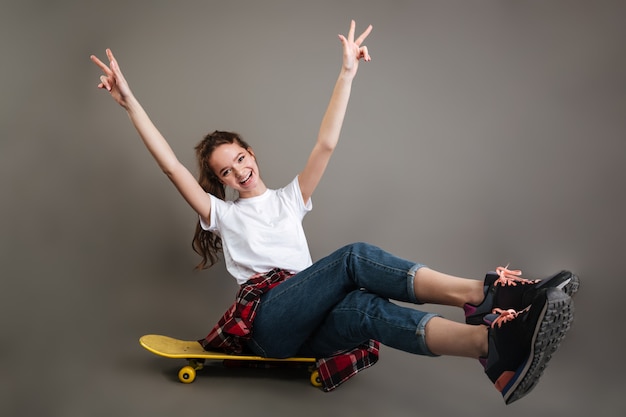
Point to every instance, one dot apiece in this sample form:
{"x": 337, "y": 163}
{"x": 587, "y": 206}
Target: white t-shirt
{"x": 261, "y": 233}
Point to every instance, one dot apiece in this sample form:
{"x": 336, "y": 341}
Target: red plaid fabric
{"x": 235, "y": 327}
{"x": 337, "y": 369}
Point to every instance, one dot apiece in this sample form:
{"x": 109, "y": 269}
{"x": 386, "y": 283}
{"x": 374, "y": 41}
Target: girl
{"x": 340, "y": 305}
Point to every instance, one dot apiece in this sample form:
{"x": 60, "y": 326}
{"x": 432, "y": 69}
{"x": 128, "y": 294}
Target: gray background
{"x": 482, "y": 133}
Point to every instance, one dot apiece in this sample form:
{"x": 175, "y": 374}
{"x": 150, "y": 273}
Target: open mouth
{"x": 247, "y": 179}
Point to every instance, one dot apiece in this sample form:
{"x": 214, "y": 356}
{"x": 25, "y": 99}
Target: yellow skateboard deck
{"x": 195, "y": 354}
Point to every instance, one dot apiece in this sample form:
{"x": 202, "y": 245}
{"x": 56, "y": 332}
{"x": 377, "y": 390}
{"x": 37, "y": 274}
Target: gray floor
{"x": 482, "y": 133}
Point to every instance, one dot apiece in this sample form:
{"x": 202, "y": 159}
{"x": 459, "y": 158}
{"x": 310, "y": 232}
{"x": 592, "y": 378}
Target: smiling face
{"x": 236, "y": 167}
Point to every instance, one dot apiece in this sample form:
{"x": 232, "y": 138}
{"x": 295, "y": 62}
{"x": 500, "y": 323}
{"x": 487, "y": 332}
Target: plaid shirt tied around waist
{"x": 234, "y": 328}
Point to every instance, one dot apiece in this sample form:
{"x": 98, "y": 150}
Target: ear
{"x": 251, "y": 152}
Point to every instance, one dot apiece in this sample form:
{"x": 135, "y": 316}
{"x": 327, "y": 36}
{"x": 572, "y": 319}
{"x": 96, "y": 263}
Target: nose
{"x": 239, "y": 172}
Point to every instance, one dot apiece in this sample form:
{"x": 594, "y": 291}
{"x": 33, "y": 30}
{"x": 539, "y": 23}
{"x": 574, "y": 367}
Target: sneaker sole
{"x": 556, "y": 319}
{"x": 569, "y": 286}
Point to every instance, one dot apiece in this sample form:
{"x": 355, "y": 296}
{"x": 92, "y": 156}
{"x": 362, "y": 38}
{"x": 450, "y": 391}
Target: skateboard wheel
{"x": 316, "y": 381}
{"x": 187, "y": 374}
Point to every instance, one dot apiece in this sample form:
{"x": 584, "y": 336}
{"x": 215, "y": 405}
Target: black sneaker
{"x": 522, "y": 342}
{"x": 506, "y": 289}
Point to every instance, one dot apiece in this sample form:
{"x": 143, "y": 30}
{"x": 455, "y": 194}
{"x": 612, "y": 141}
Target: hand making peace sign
{"x": 352, "y": 49}
{"x": 113, "y": 80}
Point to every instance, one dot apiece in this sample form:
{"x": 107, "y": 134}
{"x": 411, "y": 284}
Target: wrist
{"x": 130, "y": 103}
{"x": 346, "y": 75}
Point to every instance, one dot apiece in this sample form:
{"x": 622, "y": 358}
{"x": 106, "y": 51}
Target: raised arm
{"x": 114, "y": 82}
{"x": 332, "y": 121}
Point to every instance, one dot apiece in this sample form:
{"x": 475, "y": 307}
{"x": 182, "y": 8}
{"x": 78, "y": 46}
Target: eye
{"x": 241, "y": 158}
{"x": 226, "y": 172}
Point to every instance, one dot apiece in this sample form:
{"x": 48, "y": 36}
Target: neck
{"x": 255, "y": 192}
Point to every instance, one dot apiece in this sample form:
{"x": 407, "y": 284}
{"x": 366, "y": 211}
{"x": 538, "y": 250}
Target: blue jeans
{"x": 340, "y": 302}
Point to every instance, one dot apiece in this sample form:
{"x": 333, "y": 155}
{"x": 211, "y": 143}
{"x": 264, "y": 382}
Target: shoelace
{"x": 505, "y": 316}
{"x": 511, "y": 277}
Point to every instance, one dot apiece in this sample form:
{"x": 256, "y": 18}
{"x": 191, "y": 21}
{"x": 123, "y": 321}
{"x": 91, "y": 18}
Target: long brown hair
{"x": 207, "y": 244}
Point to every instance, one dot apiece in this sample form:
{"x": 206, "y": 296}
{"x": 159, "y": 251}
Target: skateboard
{"x": 196, "y": 356}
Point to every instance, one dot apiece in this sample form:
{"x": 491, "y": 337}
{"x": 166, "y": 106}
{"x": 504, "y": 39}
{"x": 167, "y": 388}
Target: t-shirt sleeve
{"x": 215, "y": 206}
{"x": 294, "y": 195}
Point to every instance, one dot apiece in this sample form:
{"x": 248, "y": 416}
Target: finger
{"x": 361, "y": 38}
{"x": 351, "y": 31}
{"x": 112, "y": 61}
{"x": 104, "y": 81}
{"x": 365, "y": 54}
{"x": 100, "y": 64}
{"x": 104, "y": 87}
{"x": 115, "y": 67}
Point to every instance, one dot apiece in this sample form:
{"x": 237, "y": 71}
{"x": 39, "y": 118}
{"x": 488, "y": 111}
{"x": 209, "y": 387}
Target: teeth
{"x": 246, "y": 179}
